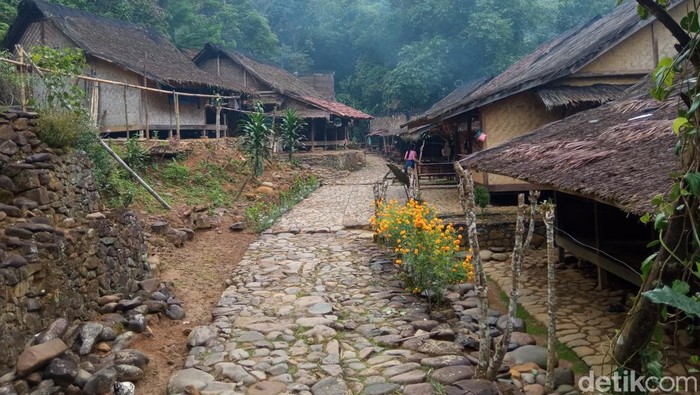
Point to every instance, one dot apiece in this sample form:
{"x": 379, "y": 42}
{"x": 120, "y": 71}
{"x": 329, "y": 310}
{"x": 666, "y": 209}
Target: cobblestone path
{"x": 314, "y": 309}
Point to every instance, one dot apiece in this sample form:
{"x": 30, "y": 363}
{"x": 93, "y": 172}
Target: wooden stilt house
{"x": 127, "y": 53}
{"x": 604, "y": 166}
{"x": 328, "y": 121}
{"x": 582, "y": 68}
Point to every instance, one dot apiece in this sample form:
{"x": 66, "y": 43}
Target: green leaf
{"x": 646, "y": 265}
{"x": 643, "y": 12}
{"x": 660, "y": 222}
{"x": 645, "y": 218}
{"x": 694, "y": 359}
{"x": 654, "y": 243}
{"x": 672, "y": 298}
{"x": 681, "y": 287}
{"x": 690, "y": 22}
{"x": 678, "y": 123}
{"x": 692, "y": 179}
{"x": 657, "y": 200}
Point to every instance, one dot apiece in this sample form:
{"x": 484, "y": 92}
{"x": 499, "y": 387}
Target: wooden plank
{"x": 601, "y": 261}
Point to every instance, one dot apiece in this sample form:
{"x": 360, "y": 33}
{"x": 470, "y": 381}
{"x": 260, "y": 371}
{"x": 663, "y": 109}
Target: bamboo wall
{"x": 112, "y": 97}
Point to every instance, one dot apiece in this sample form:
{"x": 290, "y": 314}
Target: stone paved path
{"x": 314, "y": 308}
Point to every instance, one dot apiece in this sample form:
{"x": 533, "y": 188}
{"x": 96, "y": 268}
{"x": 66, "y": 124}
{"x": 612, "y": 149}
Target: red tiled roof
{"x": 336, "y": 108}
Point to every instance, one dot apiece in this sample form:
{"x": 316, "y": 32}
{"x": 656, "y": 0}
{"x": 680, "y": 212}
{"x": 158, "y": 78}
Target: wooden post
{"x": 126, "y": 113}
{"x": 177, "y": 115}
{"x": 22, "y": 87}
{"x": 466, "y": 197}
{"x": 218, "y": 121}
{"x": 133, "y": 174}
{"x": 548, "y": 215}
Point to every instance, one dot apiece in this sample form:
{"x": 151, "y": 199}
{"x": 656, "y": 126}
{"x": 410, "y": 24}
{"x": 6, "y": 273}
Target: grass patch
{"x": 438, "y": 387}
{"x": 536, "y": 328}
{"x": 262, "y": 215}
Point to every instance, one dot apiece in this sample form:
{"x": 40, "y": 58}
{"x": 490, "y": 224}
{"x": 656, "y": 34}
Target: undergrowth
{"x": 262, "y": 215}
{"x": 536, "y": 328}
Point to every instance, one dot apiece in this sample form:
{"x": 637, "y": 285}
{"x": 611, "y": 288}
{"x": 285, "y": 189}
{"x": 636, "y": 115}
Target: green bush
{"x": 61, "y": 129}
{"x": 9, "y": 82}
{"x": 136, "y": 156}
{"x": 262, "y": 215}
{"x": 482, "y": 198}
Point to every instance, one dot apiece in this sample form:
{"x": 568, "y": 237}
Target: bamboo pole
{"x": 95, "y": 79}
{"x": 218, "y": 120}
{"x": 22, "y": 86}
{"x": 133, "y": 174}
{"x": 126, "y": 114}
{"x": 177, "y": 115}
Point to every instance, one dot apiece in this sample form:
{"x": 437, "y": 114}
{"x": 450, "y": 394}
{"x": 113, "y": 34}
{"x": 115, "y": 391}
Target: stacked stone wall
{"x": 59, "y": 251}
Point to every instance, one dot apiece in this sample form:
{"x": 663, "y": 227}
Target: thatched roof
{"x": 127, "y": 45}
{"x": 620, "y": 153}
{"x": 560, "y": 57}
{"x": 282, "y": 82}
{"x": 574, "y": 95}
{"x": 448, "y": 104}
{"x": 389, "y": 125}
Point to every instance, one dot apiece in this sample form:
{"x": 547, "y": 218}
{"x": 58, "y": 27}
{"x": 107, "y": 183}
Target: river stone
{"x": 439, "y": 347}
{"x": 527, "y": 354}
{"x": 381, "y": 389}
{"x": 534, "y": 389}
{"x": 89, "y": 333}
{"x": 250, "y": 336}
{"x": 36, "y": 356}
{"x": 306, "y": 301}
{"x": 518, "y": 324}
{"x": 451, "y": 374}
{"x": 54, "y": 331}
{"x": 330, "y": 386}
{"x": 101, "y": 382}
{"x": 563, "y": 376}
{"x": 445, "y": 360}
{"x": 477, "y": 387}
{"x": 129, "y": 373}
{"x": 267, "y": 388}
{"x": 193, "y": 377}
{"x": 400, "y": 369}
{"x": 412, "y": 377}
{"x": 175, "y": 312}
{"x": 231, "y": 371}
{"x": 131, "y": 357}
{"x": 62, "y": 369}
{"x": 499, "y": 256}
{"x": 418, "y": 389}
{"x": 200, "y": 335}
{"x": 485, "y": 255}
{"x": 320, "y": 309}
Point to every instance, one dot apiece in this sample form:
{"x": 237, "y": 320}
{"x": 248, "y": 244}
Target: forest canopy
{"x": 387, "y": 55}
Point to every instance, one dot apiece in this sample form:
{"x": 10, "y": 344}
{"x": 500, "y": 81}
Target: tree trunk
{"x": 638, "y": 328}
{"x": 466, "y": 197}
{"x": 516, "y": 268}
{"x": 551, "y": 300}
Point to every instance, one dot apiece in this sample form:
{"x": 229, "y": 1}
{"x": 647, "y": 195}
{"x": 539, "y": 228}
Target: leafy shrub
{"x": 9, "y": 82}
{"x": 257, "y": 134}
{"x": 290, "y": 131}
{"x": 61, "y": 129}
{"x": 426, "y": 248}
{"x": 136, "y": 156}
{"x": 482, "y": 198}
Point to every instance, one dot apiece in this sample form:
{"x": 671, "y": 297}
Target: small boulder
{"x": 34, "y": 357}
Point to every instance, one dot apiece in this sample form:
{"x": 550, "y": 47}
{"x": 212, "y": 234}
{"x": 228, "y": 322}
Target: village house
{"x": 384, "y": 133}
{"x": 328, "y": 121}
{"x": 127, "y": 53}
{"x": 582, "y": 68}
{"x": 604, "y": 166}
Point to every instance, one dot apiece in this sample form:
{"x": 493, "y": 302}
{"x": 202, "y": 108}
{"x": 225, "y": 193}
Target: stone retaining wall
{"x": 340, "y": 160}
{"x": 58, "y": 253}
